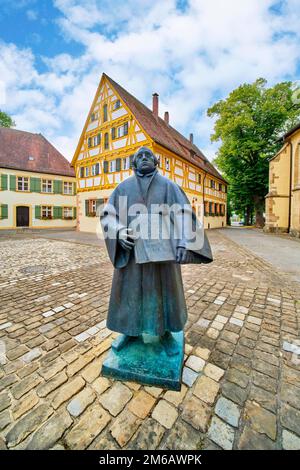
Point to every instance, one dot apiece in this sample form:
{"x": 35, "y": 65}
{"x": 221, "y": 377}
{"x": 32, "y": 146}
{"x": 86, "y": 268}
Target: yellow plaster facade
{"x": 62, "y": 212}
{"x": 283, "y": 199}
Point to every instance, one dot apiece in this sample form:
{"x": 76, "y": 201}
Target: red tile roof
{"x": 164, "y": 134}
{"x": 16, "y": 148}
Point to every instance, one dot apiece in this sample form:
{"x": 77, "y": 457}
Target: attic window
{"x": 30, "y": 158}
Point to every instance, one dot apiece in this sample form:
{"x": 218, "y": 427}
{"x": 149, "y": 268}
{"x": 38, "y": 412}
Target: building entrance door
{"x": 22, "y": 216}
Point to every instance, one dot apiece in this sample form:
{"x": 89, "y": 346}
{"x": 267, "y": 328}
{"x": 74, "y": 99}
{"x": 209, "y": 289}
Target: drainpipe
{"x": 290, "y": 187}
{"x": 203, "y": 197}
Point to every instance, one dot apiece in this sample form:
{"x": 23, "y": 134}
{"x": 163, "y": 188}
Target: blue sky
{"x": 53, "y": 52}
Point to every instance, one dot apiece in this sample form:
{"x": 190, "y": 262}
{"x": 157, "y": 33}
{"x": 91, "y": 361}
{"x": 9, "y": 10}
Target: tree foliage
{"x": 6, "y": 120}
{"x": 249, "y": 123}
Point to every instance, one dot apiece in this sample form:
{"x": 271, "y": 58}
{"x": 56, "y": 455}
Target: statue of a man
{"x": 147, "y": 298}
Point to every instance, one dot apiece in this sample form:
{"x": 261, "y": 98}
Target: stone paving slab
{"x": 242, "y": 355}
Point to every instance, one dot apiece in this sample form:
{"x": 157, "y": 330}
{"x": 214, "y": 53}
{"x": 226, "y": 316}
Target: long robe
{"x": 146, "y": 298}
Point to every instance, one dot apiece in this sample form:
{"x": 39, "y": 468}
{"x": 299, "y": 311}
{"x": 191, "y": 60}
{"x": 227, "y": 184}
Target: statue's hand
{"x": 183, "y": 255}
{"x": 126, "y": 238}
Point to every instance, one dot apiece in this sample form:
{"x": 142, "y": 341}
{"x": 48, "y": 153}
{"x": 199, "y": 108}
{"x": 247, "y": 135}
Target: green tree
{"x": 6, "y": 120}
{"x": 249, "y": 123}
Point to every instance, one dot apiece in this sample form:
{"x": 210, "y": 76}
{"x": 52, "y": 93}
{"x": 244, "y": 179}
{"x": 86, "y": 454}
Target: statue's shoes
{"x": 170, "y": 345}
{"x": 121, "y": 341}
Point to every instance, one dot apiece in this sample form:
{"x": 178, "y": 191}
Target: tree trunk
{"x": 247, "y": 215}
{"x": 259, "y": 218}
{"x": 259, "y": 209}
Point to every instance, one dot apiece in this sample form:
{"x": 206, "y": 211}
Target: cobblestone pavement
{"x": 242, "y": 369}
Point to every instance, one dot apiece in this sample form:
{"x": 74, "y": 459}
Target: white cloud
{"x": 32, "y": 15}
{"x": 191, "y": 59}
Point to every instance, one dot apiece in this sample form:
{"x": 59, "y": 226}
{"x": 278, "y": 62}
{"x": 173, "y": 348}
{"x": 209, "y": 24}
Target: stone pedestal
{"x": 144, "y": 360}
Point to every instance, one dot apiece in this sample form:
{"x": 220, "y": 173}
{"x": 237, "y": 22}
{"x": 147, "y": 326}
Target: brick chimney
{"x": 166, "y": 117}
{"x": 191, "y": 138}
{"x": 155, "y": 104}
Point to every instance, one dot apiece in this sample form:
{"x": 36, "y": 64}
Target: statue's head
{"x": 144, "y": 160}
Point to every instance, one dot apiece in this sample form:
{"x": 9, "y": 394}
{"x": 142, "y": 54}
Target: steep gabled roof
{"x": 164, "y": 134}
{"x": 20, "y": 150}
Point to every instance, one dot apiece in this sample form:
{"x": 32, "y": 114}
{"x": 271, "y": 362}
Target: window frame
{"x": 46, "y": 181}
{"x": 68, "y": 208}
{"x": 23, "y": 182}
{"x": 47, "y": 215}
{"x": 106, "y": 141}
{"x": 116, "y": 105}
{"x": 105, "y": 112}
{"x": 70, "y": 187}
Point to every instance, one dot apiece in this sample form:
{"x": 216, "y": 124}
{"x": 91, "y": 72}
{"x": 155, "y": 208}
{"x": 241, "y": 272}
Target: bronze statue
{"x": 147, "y": 297}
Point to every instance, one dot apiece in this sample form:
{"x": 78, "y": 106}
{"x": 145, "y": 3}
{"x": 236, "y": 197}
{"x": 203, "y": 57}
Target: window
{"x": 68, "y": 187}
{"x": 158, "y": 159}
{"x": 106, "y": 141}
{"x": 90, "y": 207}
{"x": 220, "y": 187}
{"x": 68, "y": 213}
{"x": 89, "y": 142}
{"x": 23, "y": 183}
{"x": 116, "y": 104}
{"x": 87, "y": 171}
{"x": 206, "y": 208}
{"x": 212, "y": 184}
{"x": 112, "y": 166}
{"x": 95, "y": 169}
{"x": 113, "y": 133}
{"x": 105, "y": 113}
{"x": 94, "y": 116}
{"x": 82, "y": 172}
{"x": 167, "y": 163}
{"x": 126, "y": 163}
{"x": 199, "y": 178}
{"x": 123, "y": 130}
{"x": 46, "y": 212}
{"x": 47, "y": 186}
{"x": 96, "y": 141}
{"x": 211, "y": 205}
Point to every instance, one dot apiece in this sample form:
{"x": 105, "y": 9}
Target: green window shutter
{"x": 118, "y": 164}
{"x": 4, "y": 211}
{"x": 3, "y": 182}
{"x": 57, "y": 212}
{"x": 105, "y": 166}
{"x": 35, "y": 185}
{"x": 37, "y": 212}
{"x": 74, "y": 188}
{"x": 57, "y": 187}
{"x": 12, "y": 182}
{"x": 87, "y": 207}
{"x": 113, "y": 133}
{"x": 74, "y": 212}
